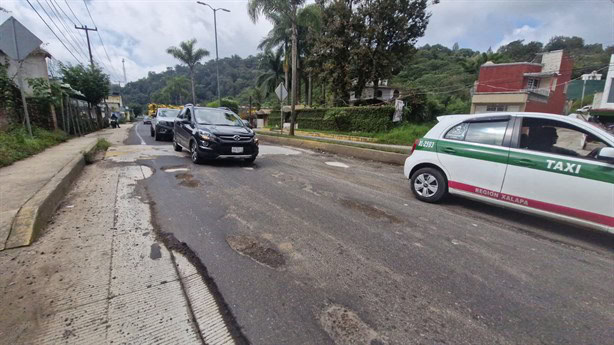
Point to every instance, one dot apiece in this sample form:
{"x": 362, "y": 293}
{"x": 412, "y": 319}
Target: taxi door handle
{"x": 525, "y": 162}
{"x": 449, "y": 150}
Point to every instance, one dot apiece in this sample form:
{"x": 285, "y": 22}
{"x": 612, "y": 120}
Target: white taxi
{"x": 549, "y": 165}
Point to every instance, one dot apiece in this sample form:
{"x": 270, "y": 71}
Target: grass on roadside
{"x": 403, "y": 135}
{"x": 101, "y": 146}
{"x": 16, "y": 143}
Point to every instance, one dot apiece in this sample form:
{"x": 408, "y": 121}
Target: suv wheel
{"x": 151, "y": 131}
{"x": 156, "y": 135}
{"x": 176, "y": 146}
{"x": 194, "y": 153}
{"x": 429, "y": 184}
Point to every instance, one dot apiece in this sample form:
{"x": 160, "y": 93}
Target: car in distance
{"x": 214, "y": 133}
{"x": 163, "y": 124}
{"x": 550, "y": 165}
{"x": 147, "y": 119}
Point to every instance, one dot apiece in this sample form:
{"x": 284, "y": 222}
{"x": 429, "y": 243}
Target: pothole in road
{"x": 257, "y": 249}
{"x": 187, "y": 180}
{"x": 369, "y": 210}
{"x": 346, "y": 328}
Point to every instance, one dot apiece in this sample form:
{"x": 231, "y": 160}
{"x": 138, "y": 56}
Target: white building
{"x": 603, "y": 102}
{"x": 383, "y": 93}
{"x": 34, "y": 64}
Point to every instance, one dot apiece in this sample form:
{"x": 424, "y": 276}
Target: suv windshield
{"x": 217, "y": 117}
{"x": 168, "y": 112}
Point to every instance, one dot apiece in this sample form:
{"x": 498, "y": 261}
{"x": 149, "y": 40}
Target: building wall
{"x": 504, "y": 77}
{"x": 34, "y": 66}
{"x": 557, "y": 98}
{"x": 607, "y": 99}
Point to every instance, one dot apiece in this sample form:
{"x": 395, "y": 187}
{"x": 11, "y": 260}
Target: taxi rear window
{"x": 489, "y": 133}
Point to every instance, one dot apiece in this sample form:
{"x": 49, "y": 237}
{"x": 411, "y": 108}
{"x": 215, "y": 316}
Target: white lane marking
{"x": 139, "y": 134}
{"x": 338, "y": 164}
{"x": 248, "y": 168}
{"x": 175, "y": 170}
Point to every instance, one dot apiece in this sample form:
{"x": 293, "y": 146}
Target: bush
{"x": 16, "y": 143}
{"x": 349, "y": 119}
{"x": 226, "y": 102}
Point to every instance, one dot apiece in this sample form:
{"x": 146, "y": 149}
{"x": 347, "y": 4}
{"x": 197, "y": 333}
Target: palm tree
{"x": 288, "y": 9}
{"x": 190, "y": 56}
{"x": 272, "y": 65}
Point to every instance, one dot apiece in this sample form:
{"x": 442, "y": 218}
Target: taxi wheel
{"x": 429, "y": 184}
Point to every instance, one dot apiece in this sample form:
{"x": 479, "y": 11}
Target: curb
{"x": 35, "y": 213}
{"x": 357, "y": 152}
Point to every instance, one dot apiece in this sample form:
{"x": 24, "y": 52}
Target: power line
{"x": 50, "y": 29}
{"x": 60, "y": 30}
{"x": 100, "y": 37}
{"x": 73, "y": 13}
{"x": 63, "y": 22}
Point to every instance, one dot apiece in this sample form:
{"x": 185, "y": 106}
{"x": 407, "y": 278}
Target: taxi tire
{"x": 442, "y": 185}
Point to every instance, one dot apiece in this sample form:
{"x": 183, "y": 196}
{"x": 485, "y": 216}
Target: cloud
{"x": 139, "y": 31}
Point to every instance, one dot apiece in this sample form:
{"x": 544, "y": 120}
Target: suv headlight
{"x": 206, "y": 135}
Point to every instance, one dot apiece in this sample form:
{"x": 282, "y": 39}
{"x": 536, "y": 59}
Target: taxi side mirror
{"x": 606, "y": 154}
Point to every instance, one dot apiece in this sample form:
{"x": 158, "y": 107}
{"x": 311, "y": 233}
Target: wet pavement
{"x": 314, "y": 248}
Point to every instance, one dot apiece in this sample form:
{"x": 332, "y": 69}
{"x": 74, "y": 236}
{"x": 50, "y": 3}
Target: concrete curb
{"x": 357, "y": 152}
{"x": 35, "y": 213}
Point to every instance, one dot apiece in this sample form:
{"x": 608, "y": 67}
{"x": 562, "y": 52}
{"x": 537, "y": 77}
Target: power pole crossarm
{"x": 87, "y": 35}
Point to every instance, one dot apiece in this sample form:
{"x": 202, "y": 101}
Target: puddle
{"x": 346, "y": 328}
{"x": 369, "y": 210}
{"x": 257, "y": 249}
{"x": 155, "y": 253}
{"x": 187, "y": 180}
{"x": 337, "y": 164}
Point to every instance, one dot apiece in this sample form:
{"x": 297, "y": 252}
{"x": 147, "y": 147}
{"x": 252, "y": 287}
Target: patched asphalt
{"x": 356, "y": 246}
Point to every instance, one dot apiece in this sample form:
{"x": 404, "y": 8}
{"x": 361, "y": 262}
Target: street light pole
{"x": 217, "y": 67}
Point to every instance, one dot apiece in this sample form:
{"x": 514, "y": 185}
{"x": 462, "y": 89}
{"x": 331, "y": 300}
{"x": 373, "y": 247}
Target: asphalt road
{"x": 342, "y": 251}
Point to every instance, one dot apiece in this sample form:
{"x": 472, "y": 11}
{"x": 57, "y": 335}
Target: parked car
{"x": 147, "y": 120}
{"x": 549, "y": 165}
{"x": 213, "y": 133}
{"x": 163, "y": 124}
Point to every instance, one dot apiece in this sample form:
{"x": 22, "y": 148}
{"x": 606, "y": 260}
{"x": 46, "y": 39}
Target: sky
{"x": 139, "y": 31}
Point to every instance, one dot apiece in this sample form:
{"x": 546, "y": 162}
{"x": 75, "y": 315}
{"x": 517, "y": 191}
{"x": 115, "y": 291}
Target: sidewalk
{"x": 336, "y": 139}
{"x": 23, "y": 179}
{"x": 99, "y": 275}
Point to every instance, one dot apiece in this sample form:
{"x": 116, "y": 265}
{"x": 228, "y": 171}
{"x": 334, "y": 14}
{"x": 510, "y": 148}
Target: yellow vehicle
{"x": 152, "y": 108}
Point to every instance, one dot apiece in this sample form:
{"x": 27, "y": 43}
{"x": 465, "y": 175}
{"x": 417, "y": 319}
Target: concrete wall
{"x": 556, "y": 101}
{"x": 34, "y": 66}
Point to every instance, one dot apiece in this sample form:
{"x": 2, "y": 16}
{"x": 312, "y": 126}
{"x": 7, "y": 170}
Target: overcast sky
{"x": 140, "y": 30}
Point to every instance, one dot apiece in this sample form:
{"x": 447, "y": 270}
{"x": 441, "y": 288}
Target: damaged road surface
{"x": 307, "y": 252}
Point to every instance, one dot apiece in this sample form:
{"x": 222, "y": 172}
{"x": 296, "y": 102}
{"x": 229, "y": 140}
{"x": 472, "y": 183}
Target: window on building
{"x": 379, "y": 94}
{"x": 533, "y": 84}
{"x": 496, "y": 107}
{"x": 489, "y": 133}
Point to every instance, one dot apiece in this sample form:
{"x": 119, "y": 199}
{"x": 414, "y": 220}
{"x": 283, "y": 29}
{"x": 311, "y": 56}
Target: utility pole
{"x": 217, "y": 68}
{"x": 87, "y": 35}
{"x": 124, "y": 67}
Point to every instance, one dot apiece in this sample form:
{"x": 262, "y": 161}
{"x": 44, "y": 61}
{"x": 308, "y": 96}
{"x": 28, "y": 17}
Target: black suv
{"x": 214, "y": 133}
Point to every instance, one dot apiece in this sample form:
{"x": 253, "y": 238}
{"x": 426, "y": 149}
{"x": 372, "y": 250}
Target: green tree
{"x": 387, "y": 31}
{"x": 91, "y": 81}
{"x": 272, "y": 71}
{"x": 517, "y": 51}
{"x": 189, "y": 55}
{"x": 178, "y": 89}
{"x": 288, "y": 9}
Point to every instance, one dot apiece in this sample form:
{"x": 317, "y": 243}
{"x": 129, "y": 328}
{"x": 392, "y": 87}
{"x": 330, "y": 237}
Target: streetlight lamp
{"x": 217, "y": 68}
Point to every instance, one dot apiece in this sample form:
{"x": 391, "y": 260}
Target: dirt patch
{"x": 346, "y": 328}
{"x": 369, "y": 210}
{"x": 187, "y": 180}
{"x": 257, "y": 249}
